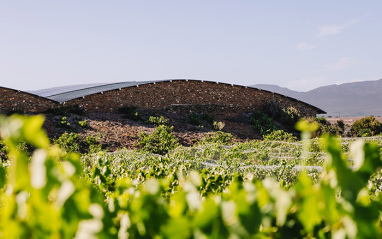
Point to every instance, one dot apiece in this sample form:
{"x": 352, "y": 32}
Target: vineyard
{"x": 275, "y": 188}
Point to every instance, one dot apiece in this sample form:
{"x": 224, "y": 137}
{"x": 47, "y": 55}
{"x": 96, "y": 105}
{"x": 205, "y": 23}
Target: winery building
{"x": 175, "y": 95}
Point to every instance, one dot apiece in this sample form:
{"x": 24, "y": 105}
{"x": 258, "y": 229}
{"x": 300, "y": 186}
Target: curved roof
{"x": 66, "y": 93}
{"x": 29, "y": 93}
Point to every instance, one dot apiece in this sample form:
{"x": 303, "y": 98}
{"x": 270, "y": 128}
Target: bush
{"x": 218, "y": 137}
{"x": 75, "y": 109}
{"x": 280, "y": 135}
{"x": 218, "y": 125}
{"x": 72, "y": 142}
{"x": 290, "y": 116}
{"x": 322, "y": 121}
{"x": 83, "y": 124}
{"x": 92, "y": 145}
{"x": 364, "y": 133}
{"x": 262, "y": 123}
{"x": 273, "y": 109}
{"x": 200, "y": 119}
{"x": 341, "y": 124}
{"x": 154, "y": 120}
{"x": 366, "y": 126}
{"x": 160, "y": 141}
{"x": 286, "y": 116}
{"x": 325, "y": 127}
{"x": 63, "y": 123}
{"x": 130, "y": 112}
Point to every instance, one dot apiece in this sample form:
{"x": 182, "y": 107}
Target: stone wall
{"x": 13, "y": 100}
{"x": 214, "y": 97}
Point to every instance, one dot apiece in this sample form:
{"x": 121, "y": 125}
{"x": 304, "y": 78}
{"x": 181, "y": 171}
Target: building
{"x": 179, "y": 94}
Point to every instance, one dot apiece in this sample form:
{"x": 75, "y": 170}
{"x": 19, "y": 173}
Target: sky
{"x": 300, "y": 45}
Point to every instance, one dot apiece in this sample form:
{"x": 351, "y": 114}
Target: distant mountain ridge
{"x": 347, "y": 100}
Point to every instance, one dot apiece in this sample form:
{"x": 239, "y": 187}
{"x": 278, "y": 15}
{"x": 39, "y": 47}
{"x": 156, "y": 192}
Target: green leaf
{"x": 3, "y": 176}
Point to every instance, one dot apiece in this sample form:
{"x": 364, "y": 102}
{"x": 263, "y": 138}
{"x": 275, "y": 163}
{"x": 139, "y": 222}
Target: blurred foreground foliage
{"x": 51, "y": 194}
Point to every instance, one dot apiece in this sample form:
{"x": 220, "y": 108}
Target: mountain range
{"x": 344, "y": 100}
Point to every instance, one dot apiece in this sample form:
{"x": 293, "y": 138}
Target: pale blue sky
{"x": 296, "y": 44}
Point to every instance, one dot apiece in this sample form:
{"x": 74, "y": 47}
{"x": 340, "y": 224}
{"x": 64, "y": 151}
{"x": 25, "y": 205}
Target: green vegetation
{"x": 63, "y": 123}
{"x": 154, "y": 120}
{"x": 73, "y": 143}
{"x": 75, "y": 109}
{"x": 286, "y": 116}
{"x": 218, "y": 137}
{"x": 262, "y": 123}
{"x": 43, "y": 195}
{"x": 200, "y": 119}
{"x": 160, "y": 141}
{"x": 325, "y": 127}
{"x": 130, "y": 112}
{"x": 83, "y": 123}
{"x": 290, "y": 117}
{"x": 246, "y": 190}
{"x": 265, "y": 122}
{"x": 218, "y": 125}
{"x": 280, "y": 135}
{"x": 367, "y": 126}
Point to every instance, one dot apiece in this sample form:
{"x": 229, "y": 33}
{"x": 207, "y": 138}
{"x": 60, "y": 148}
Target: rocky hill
{"x": 347, "y": 100}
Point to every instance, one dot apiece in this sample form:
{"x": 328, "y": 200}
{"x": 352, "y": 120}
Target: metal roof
{"x": 63, "y": 89}
{"x": 66, "y": 93}
{"x": 27, "y": 93}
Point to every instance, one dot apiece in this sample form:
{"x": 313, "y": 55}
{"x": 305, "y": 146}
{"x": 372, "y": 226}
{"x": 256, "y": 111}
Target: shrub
{"x": 72, "y": 142}
{"x": 218, "y": 125}
{"x": 322, "y": 121}
{"x": 262, "y": 123}
{"x": 92, "y": 145}
{"x": 218, "y": 137}
{"x": 63, "y": 123}
{"x": 341, "y": 124}
{"x": 83, "y": 124}
{"x": 364, "y": 133}
{"x": 130, "y": 112}
{"x": 154, "y": 120}
{"x": 75, "y": 109}
{"x": 280, "y": 135}
{"x": 286, "y": 116}
{"x": 290, "y": 116}
{"x": 366, "y": 125}
{"x": 273, "y": 109}
{"x": 325, "y": 127}
{"x": 200, "y": 119}
{"x": 160, "y": 141}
